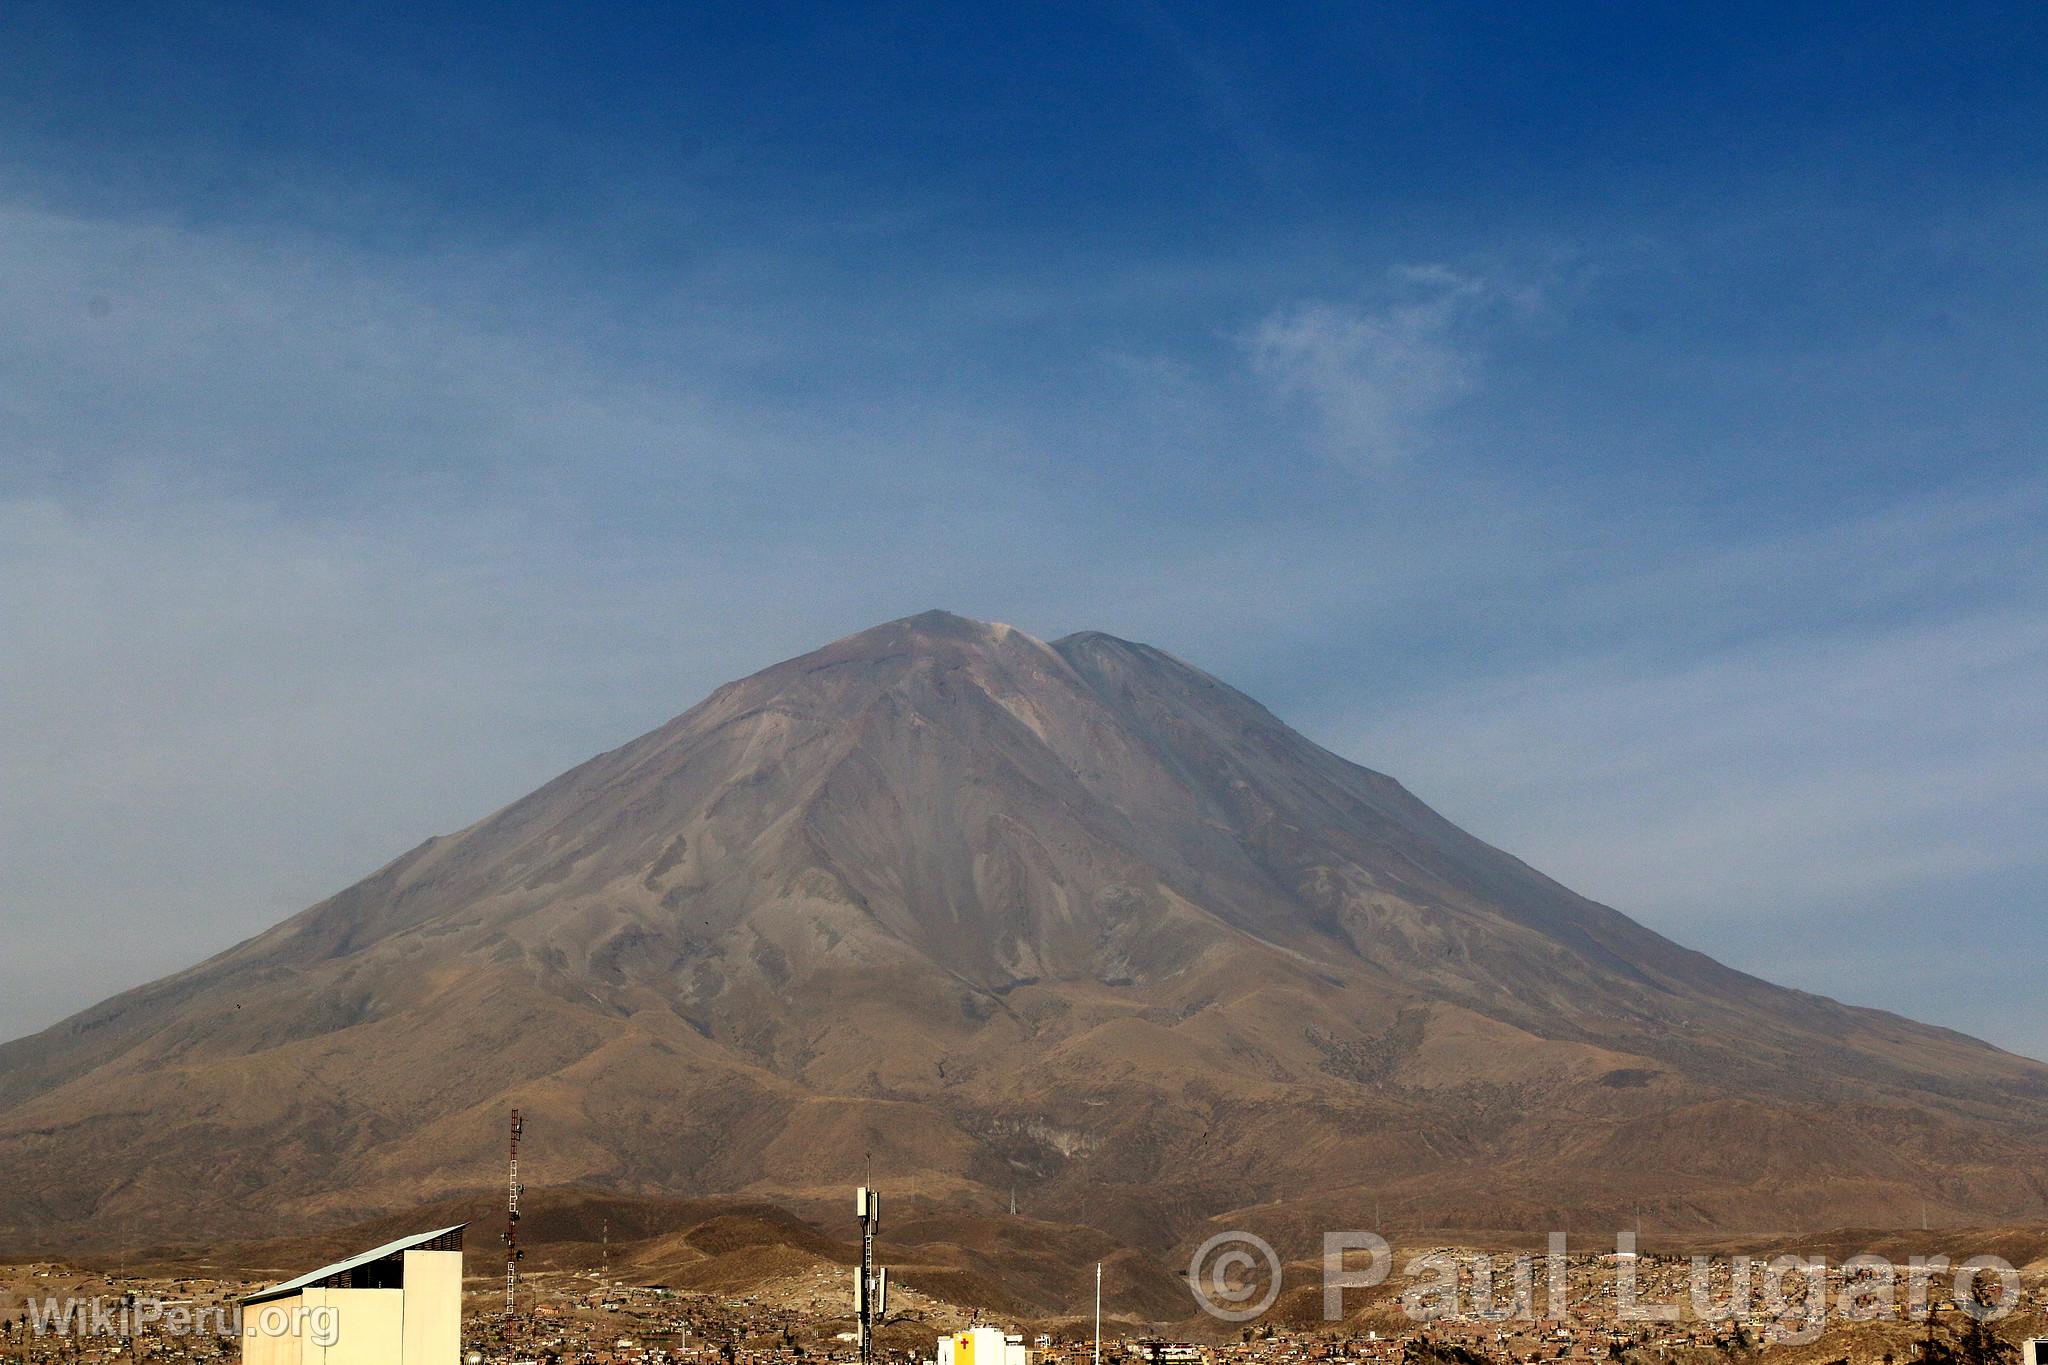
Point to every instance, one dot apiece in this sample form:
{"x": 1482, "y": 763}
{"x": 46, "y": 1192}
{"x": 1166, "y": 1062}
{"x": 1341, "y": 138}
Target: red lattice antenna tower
{"x": 513, "y": 1189}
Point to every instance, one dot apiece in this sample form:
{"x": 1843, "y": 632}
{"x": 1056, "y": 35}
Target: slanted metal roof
{"x": 313, "y": 1277}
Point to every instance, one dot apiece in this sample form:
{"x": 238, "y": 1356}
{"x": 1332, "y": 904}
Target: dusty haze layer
{"x": 1071, "y": 918}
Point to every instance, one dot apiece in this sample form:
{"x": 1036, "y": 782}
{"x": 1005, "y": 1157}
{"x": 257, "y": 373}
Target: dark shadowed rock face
{"x": 1074, "y": 917}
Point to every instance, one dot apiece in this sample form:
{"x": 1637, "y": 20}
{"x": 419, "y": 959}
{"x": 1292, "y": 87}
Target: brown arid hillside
{"x": 1071, "y": 919}
{"x": 730, "y": 1245}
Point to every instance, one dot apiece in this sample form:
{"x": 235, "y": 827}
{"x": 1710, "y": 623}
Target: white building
{"x": 399, "y": 1304}
{"x": 986, "y": 1346}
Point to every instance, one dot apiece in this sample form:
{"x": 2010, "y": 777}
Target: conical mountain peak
{"x": 1077, "y": 913}
{"x": 938, "y": 621}
{"x": 937, "y": 624}
{"x": 923, "y": 638}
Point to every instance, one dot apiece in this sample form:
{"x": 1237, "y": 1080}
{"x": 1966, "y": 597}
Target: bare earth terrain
{"x": 729, "y": 1279}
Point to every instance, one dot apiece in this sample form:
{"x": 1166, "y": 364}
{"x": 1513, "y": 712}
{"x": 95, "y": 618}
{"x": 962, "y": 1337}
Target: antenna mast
{"x": 513, "y": 1254}
{"x": 871, "y": 1286}
{"x": 1098, "y": 1313}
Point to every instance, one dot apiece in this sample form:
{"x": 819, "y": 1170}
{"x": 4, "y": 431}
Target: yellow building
{"x": 400, "y": 1304}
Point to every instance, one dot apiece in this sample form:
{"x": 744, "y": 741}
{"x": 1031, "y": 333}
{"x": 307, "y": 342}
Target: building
{"x": 400, "y": 1304}
{"x": 981, "y": 1346}
{"x": 2034, "y": 1351}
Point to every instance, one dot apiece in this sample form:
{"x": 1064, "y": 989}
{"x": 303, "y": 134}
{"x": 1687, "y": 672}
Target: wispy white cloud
{"x": 1373, "y": 378}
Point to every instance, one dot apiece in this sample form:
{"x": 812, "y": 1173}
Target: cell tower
{"x": 870, "y": 1286}
{"x": 513, "y": 1255}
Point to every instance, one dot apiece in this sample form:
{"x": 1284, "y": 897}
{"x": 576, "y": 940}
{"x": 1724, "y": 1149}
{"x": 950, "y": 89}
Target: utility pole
{"x": 513, "y": 1254}
{"x": 1098, "y": 1313}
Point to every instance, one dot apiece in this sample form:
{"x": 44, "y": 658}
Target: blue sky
{"x": 1623, "y": 423}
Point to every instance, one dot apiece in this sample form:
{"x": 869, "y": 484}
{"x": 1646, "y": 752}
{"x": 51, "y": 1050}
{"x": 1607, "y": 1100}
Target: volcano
{"x": 1072, "y": 920}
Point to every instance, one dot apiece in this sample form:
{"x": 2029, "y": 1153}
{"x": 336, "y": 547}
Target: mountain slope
{"x": 1075, "y": 918}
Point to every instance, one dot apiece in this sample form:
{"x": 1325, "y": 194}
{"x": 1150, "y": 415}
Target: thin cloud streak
{"x": 1373, "y": 379}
